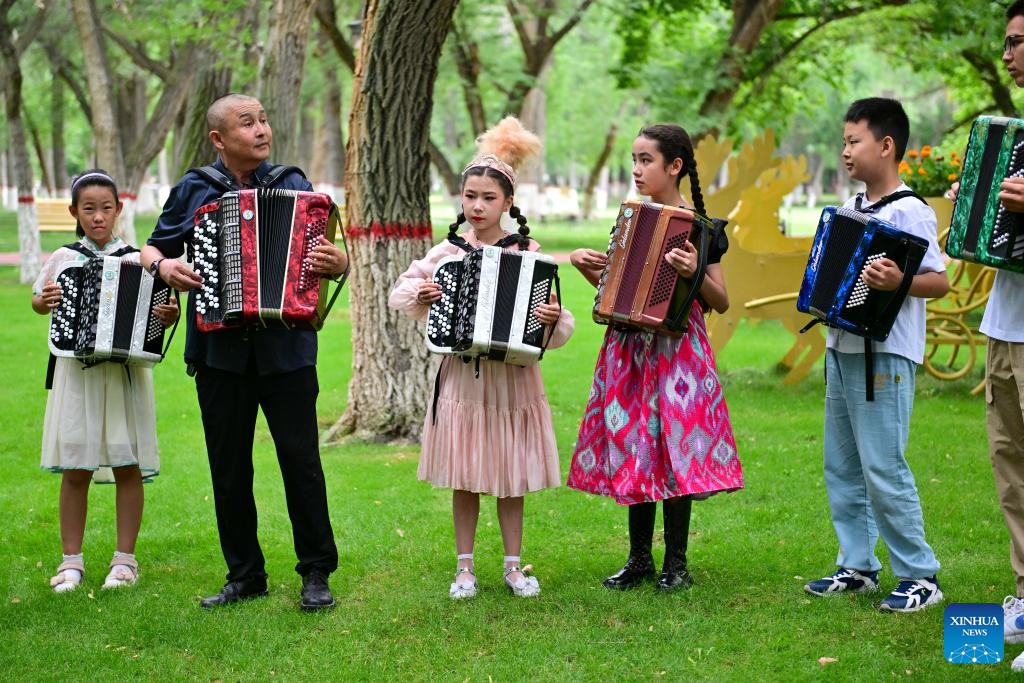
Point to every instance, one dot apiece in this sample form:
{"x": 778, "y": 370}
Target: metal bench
{"x": 52, "y": 215}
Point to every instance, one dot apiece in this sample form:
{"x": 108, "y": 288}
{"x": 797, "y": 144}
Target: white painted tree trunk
{"x": 28, "y": 243}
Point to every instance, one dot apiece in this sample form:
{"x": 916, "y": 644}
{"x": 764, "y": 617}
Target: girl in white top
{"x": 100, "y": 420}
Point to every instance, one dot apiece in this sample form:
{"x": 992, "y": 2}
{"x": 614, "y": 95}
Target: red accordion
{"x": 252, "y": 249}
{"x": 638, "y": 288}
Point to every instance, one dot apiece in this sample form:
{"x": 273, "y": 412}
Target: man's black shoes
{"x": 316, "y": 594}
{"x": 234, "y": 591}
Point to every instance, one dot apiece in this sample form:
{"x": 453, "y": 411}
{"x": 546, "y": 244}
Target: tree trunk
{"x": 106, "y": 137}
{"x": 37, "y": 145}
{"x": 281, "y": 75}
{"x": 192, "y": 145}
{"x": 388, "y": 183}
{"x": 599, "y": 163}
{"x": 28, "y": 230}
{"x": 306, "y": 139}
{"x": 59, "y": 162}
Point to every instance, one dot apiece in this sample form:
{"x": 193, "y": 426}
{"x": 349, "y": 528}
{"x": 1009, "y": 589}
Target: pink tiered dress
{"x": 493, "y": 433}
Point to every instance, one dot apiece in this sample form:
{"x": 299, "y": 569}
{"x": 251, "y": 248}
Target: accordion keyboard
{"x": 1004, "y": 230}
{"x": 860, "y": 291}
{"x": 440, "y": 319}
{"x": 65, "y": 315}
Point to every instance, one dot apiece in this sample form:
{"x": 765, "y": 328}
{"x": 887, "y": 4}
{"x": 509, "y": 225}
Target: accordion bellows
{"x": 638, "y": 288}
{"x": 486, "y": 306}
{"x": 106, "y": 312}
{"x": 982, "y": 230}
{"x": 251, "y": 247}
{"x": 845, "y": 243}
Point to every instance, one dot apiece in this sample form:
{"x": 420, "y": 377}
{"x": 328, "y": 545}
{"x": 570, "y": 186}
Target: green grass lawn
{"x": 745, "y": 619}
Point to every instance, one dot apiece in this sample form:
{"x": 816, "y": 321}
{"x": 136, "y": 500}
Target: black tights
{"x": 676, "y": 512}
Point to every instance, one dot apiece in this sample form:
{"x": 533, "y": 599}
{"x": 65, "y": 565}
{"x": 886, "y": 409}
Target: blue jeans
{"x": 870, "y": 487}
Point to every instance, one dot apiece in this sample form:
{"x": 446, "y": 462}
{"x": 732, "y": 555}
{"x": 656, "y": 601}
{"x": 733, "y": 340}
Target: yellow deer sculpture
{"x": 763, "y": 266}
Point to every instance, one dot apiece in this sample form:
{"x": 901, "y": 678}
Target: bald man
{"x": 240, "y": 372}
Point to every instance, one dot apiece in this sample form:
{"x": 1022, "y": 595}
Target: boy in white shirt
{"x": 871, "y": 489}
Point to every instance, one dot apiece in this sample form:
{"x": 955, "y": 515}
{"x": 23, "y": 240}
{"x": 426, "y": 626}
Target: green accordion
{"x": 983, "y": 231}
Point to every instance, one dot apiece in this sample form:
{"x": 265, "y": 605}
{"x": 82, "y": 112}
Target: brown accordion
{"x": 639, "y": 288}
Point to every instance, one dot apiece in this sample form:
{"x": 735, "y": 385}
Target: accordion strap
{"x": 225, "y": 182}
{"x": 869, "y": 370}
{"x": 679, "y": 322}
{"x": 333, "y": 219}
{"x": 887, "y": 199}
{"x": 174, "y": 328}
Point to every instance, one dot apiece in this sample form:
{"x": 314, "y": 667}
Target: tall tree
{"x": 281, "y": 77}
{"x": 126, "y": 139}
{"x": 10, "y": 61}
{"x": 387, "y": 181}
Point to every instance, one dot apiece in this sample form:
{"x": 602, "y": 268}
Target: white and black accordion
{"x": 486, "y": 307}
{"x": 252, "y": 249}
{"x": 846, "y": 242}
{"x": 106, "y": 312}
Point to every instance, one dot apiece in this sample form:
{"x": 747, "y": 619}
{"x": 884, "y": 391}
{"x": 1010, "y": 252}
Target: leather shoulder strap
{"x": 887, "y": 199}
{"x": 80, "y": 248}
{"x": 216, "y": 177}
{"x": 275, "y": 174}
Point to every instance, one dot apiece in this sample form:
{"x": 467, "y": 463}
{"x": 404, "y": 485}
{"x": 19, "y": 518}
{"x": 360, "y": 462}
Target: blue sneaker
{"x": 844, "y": 580}
{"x": 913, "y": 595}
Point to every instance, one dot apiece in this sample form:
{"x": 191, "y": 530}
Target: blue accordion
{"x": 847, "y": 242}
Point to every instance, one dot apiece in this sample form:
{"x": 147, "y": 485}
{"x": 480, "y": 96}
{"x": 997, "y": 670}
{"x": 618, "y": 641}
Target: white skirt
{"x": 98, "y": 418}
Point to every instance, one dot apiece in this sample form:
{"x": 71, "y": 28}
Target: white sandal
{"x": 124, "y": 571}
{"x": 460, "y": 591}
{"x": 63, "y": 582}
{"x": 524, "y": 587}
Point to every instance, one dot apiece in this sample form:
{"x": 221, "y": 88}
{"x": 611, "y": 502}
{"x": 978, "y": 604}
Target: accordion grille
{"x": 844, "y": 237}
{"x": 643, "y": 233}
{"x": 88, "y": 315}
{"x": 666, "y": 276}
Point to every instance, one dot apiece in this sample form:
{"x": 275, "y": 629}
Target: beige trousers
{"x": 1004, "y": 395}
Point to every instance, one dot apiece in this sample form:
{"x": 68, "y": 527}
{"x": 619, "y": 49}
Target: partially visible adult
{"x": 240, "y": 372}
{"x": 1003, "y": 323}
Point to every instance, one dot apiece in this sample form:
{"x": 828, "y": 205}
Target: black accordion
{"x": 487, "y": 302}
{"x": 106, "y": 312}
{"x": 847, "y": 242}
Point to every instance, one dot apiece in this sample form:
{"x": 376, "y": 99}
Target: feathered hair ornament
{"x": 504, "y": 147}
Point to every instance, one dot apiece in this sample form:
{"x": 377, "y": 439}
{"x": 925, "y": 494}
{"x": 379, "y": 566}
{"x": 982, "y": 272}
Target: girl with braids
{"x": 100, "y": 421}
{"x": 656, "y": 425}
{"x": 490, "y": 431}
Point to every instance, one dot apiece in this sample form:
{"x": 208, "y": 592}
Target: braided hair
{"x": 90, "y": 178}
{"x": 674, "y": 143}
{"x": 506, "y": 188}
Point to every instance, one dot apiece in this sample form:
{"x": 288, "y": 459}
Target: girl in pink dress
{"x": 656, "y": 425}
{"x": 489, "y": 431}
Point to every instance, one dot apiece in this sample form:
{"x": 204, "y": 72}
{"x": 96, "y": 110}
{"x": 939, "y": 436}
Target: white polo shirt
{"x": 1004, "y": 312}
{"x": 908, "y": 332}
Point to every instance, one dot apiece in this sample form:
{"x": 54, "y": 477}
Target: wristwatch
{"x": 154, "y": 267}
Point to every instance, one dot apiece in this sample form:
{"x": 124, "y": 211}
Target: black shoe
{"x": 233, "y": 591}
{"x": 635, "y": 572}
{"x": 674, "y": 580}
{"x": 316, "y": 594}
